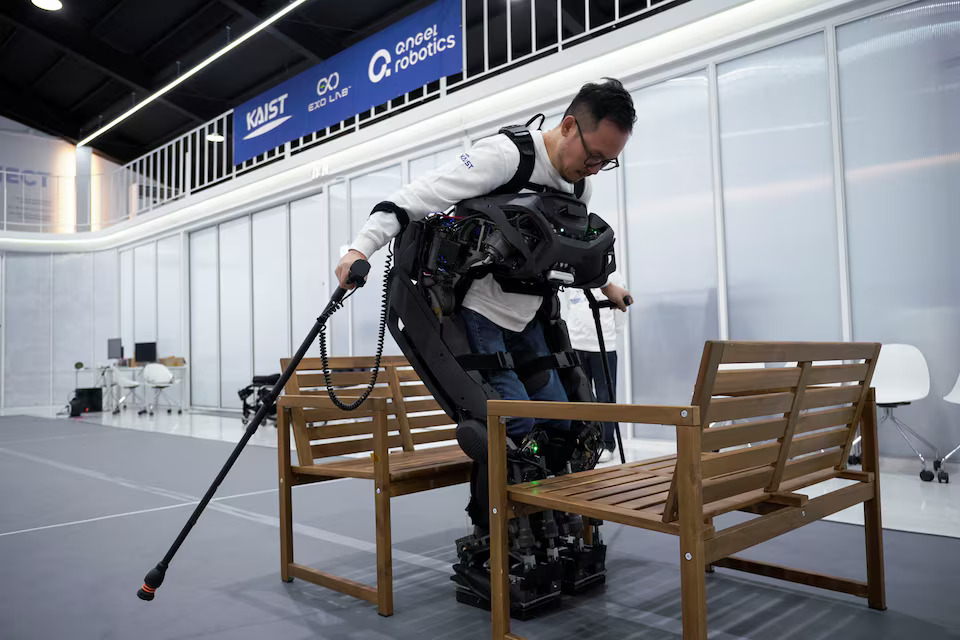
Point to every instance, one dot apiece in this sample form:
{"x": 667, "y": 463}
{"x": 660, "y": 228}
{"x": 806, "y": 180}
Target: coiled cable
{"x": 322, "y": 339}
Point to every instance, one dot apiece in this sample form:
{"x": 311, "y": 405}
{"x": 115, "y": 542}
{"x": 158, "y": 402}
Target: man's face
{"x": 585, "y": 150}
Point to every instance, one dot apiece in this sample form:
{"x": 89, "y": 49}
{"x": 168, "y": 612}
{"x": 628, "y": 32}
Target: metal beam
{"x": 273, "y": 30}
{"x": 24, "y": 106}
{"x": 78, "y": 43}
{"x": 398, "y": 14}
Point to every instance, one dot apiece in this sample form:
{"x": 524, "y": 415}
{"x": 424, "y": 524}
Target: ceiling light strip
{"x": 182, "y": 78}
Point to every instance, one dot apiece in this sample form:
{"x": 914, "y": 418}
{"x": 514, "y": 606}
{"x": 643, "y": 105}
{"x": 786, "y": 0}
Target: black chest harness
{"x": 532, "y": 243}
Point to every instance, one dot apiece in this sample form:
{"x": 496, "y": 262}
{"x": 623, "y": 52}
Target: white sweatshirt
{"x": 489, "y": 164}
{"x": 580, "y": 324}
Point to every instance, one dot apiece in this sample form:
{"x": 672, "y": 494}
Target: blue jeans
{"x": 592, "y": 365}
{"x": 486, "y": 337}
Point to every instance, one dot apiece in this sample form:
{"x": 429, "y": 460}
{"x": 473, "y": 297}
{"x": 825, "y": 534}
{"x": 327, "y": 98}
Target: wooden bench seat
{"x": 399, "y": 438}
{"x": 751, "y": 440}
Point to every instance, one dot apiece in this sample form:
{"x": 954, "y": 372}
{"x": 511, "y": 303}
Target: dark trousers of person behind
{"x": 593, "y": 367}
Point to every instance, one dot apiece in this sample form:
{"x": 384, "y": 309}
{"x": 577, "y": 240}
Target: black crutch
{"x": 611, "y": 392}
{"x": 358, "y": 274}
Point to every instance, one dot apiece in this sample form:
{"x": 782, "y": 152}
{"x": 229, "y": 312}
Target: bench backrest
{"x": 414, "y": 417}
{"x": 768, "y": 429}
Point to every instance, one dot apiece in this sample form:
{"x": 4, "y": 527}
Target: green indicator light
{"x": 535, "y": 447}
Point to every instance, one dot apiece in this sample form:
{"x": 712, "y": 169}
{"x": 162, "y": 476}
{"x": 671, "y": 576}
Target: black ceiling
{"x": 67, "y": 71}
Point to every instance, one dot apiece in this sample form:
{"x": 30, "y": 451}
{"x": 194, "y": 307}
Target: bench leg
{"x": 499, "y": 553}
{"x": 693, "y": 578}
{"x": 384, "y": 555}
{"x": 286, "y": 497}
{"x": 873, "y": 529}
{"x": 286, "y": 528}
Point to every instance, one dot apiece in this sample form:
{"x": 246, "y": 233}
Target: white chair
{"x": 128, "y": 387}
{"x": 159, "y": 378}
{"x": 902, "y": 377}
{"x": 942, "y": 475}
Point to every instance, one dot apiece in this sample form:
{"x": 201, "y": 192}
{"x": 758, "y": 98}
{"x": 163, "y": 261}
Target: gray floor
{"x": 86, "y": 510}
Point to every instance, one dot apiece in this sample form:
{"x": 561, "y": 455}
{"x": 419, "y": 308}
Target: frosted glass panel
{"x": 271, "y": 313}
{"x": 126, "y": 301}
{"x": 145, "y": 293}
{"x": 168, "y": 298}
{"x": 204, "y": 322}
{"x": 424, "y": 164}
{"x": 778, "y": 194}
{"x": 27, "y": 291}
{"x": 670, "y": 230}
{"x": 341, "y": 236}
{"x": 72, "y": 324}
{"x": 366, "y": 191}
{"x": 235, "y": 311}
{"x": 311, "y": 270}
{"x": 105, "y": 289}
{"x": 900, "y": 103}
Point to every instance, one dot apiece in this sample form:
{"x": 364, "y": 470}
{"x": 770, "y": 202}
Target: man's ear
{"x": 567, "y": 125}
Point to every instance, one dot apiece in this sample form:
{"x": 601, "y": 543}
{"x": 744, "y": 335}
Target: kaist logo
{"x": 266, "y": 117}
{"x": 329, "y": 90}
{"x": 411, "y": 50}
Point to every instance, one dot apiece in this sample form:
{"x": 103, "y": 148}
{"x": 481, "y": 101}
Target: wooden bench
{"x": 792, "y": 428}
{"x": 394, "y": 427}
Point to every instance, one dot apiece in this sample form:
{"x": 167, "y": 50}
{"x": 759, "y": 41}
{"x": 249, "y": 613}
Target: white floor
{"x": 908, "y": 503}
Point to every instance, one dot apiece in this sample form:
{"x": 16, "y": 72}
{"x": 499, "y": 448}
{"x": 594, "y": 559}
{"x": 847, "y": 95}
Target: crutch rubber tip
{"x": 151, "y": 583}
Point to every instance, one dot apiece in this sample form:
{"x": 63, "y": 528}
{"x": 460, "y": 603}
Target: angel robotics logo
{"x": 408, "y": 52}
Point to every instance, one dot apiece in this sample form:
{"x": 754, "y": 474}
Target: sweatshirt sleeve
{"x": 489, "y": 164}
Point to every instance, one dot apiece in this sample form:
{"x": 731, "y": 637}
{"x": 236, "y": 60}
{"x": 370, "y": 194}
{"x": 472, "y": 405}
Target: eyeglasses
{"x": 595, "y": 160}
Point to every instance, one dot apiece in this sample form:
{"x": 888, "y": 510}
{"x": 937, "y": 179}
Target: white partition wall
{"x": 421, "y": 165}
{"x": 271, "y": 309}
{"x": 797, "y": 184}
{"x": 28, "y": 327}
{"x": 204, "y": 320}
{"x": 311, "y": 271}
{"x": 670, "y": 240}
{"x": 126, "y": 301}
{"x": 105, "y": 298}
{"x": 236, "y": 337}
{"x": 339, "y": 237}
{"x": 145, "y": 293}
{"x": 72, "y": 324}
{"x": 899, "y": 77}
{"x": 366, "y": 191}
{"x": 780, "y": 223}
{"x": 169, "y": 296}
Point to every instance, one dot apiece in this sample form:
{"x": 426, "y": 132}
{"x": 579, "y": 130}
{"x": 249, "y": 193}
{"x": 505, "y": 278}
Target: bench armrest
{"x": 687, "y": 416}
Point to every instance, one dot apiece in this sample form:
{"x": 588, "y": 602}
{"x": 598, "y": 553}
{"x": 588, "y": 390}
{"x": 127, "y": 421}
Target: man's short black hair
{"x": 599, "y": 100}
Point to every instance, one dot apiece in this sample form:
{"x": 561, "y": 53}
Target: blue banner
{"x": 419, "y": 49}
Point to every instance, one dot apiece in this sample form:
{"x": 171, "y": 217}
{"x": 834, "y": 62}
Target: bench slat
{"x": 782, "y": 378}
{"x": 340, "y": 379}
{"x": 723, "y": 409}
{"x": 714, "y": 438}
{"x": 815, "y": 420}
{"x": 630, "y": 497}
{"x": 821, "y": 440}
{"x": 746, "y": 352}
{"x": 718, "y": 464}
{"x": 611, "y": 481}
{"x": 815, "y": 398}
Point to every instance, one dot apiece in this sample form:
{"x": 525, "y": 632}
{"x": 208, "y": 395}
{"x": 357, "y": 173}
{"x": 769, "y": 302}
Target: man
{"x": 594, "y": 130}
{"x": 583, "y": 338}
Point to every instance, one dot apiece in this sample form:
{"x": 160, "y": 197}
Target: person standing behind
{"x": 583, "y": 338}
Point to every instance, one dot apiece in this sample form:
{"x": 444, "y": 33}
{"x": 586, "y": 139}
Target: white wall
{"x": 798, "y": 187}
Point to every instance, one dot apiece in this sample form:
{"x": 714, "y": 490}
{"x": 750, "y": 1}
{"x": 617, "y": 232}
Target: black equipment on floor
{"x": 357, "y": 277}
{"x": 86, "y": 400}
{"x": 255, "y": 394}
